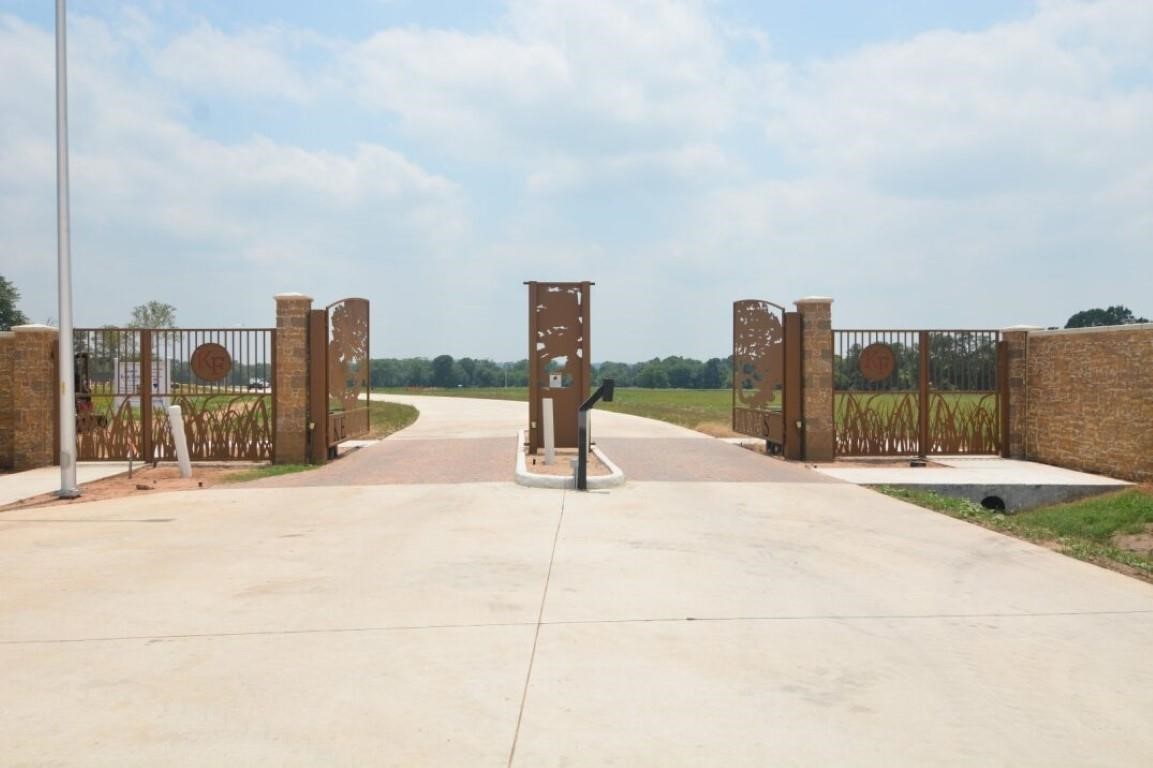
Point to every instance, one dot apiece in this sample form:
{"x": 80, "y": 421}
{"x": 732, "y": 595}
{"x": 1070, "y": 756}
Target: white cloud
{"x": 256, "y": 63}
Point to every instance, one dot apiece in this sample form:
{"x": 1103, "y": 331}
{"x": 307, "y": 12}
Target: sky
{"x": 926, "y": 164}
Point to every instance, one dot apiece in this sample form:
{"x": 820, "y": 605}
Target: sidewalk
{"x": 33, "y": 482}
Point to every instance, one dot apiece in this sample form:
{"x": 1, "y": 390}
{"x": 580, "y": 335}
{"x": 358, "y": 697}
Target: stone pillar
{"x": 817, "y": 375}
{"x": 34, "y": 400}
{"x": 1017, "y": 346}
{"x": 290, "y": 385}
{"x": 7, "y": 414}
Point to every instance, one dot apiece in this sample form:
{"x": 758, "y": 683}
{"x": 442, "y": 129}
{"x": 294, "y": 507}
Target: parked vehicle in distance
{"x": 260, "y": 384}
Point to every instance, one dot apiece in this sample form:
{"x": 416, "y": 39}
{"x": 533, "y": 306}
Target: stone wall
{"x": 1089, "y": 400}
{"x": 34, "y": 401}
{"x": 7, "y": 413}
{"x": 291, "y": 386}
{"x": 817, "y": 378}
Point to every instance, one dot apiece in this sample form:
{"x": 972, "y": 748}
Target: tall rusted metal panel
{"x": 317, "y": 386}
{"x": 760, "y": 395}
{"x": 794, "y": 448}
{"x": 558, "y": 356}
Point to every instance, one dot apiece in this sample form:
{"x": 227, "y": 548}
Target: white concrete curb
{"x": 533, "y": 480}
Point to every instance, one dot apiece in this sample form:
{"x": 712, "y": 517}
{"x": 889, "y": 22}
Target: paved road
{"x": 663, "y": 623}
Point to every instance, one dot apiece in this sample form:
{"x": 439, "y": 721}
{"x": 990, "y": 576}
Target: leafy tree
{"x": 1092, "y": 318}
{"x": 443, "y": 373}
{"x": 712, "y": 374}
{"x": 9, "y": 314}
{"x": 154, "y": 314}
{"x": 653, "y": 376}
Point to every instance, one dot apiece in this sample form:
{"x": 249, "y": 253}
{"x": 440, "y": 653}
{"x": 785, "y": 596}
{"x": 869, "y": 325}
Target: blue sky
{"x": 926, "y": 164}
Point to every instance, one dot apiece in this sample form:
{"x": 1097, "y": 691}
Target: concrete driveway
{"x": 790, "y": 620}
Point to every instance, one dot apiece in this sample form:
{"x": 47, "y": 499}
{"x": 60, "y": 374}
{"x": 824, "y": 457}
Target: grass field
{"x": 707, "y": 410}
{"x": 1114, "y": 530}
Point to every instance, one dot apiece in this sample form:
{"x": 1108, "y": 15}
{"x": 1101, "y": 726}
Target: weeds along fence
{"x": 222, "y": 379}
{"x": 918, "y": 393}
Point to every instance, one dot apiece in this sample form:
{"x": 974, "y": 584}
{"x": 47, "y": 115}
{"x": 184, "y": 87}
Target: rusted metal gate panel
{"x": 766, "y": 374}
{"x": 220, "y": 378}
{"x": 919, "y": 393}
{"x": 559, "y": 359}
{"x": 339, "y": 371}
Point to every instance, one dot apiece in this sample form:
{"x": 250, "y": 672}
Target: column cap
{"x": 1023, "y": 328}
{"x": 814, "y": 300}
{"x": 35, "y": 328}
{"x": 292, "y": 297}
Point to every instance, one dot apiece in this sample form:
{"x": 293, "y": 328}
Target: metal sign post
{"x": 604, "y": 392}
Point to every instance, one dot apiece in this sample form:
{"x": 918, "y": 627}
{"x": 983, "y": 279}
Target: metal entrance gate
{"x": 339, "y": 376}
{"x": 221, "y": 379}
{"x": 767, "y": 375}
{"x": 919, "y": 393}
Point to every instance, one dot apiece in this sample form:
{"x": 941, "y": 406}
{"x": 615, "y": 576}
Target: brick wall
{"x": 1089, "y": 400}
{"x": 291, "y": 388}
{"x": 7, "y": 412}
{"x": 817, "y": 377}
{"x": 34, "y": 401}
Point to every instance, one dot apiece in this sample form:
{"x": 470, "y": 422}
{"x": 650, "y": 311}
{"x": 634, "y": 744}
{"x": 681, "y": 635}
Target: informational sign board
{"x": 127, "y": 382}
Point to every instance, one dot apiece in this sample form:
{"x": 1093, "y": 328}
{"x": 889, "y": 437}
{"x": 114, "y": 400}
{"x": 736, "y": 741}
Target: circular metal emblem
{"x": 211, "y": 362}
{"x": 877, "y": 362}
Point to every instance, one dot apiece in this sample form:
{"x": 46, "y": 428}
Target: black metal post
{"x": 605, "y": 392}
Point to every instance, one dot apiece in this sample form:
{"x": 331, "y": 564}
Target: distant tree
{"x": 154, "y": 314}
{"x": 443, "y": 373}
{"x": 1092, "y": 318}
{"x": 466, "y": 371}
{"x": 653, "y": 376}
{"x": 9, "y": 314}
{"x": 712, "y": 374}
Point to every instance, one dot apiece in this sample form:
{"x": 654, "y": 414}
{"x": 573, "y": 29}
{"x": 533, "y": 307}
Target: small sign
{"x": 877, "y": 362}
{"x": 127, "y": 382}
{"x": 211, "y": 362}
{"x": 554, "y": 381}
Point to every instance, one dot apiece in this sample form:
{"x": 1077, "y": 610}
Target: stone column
{"x": 34, "y": 401}
{"x": 1017, "y": 346}
{"x": 7, "y": 428}
{"x": 817, "y": 375}
{"x": 290, "y": 385}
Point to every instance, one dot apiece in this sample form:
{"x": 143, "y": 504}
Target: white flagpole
{"x": 68, "y": 488}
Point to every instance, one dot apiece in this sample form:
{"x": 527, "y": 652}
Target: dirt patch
{"x": 561, "y": 467}
{"x": 144, "y": 480}
{"x": 1138, "y": 543}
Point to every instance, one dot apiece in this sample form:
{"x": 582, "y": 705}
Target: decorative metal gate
{"x": 766, "y": 374}
{"x": 919, "y": 393}
{"x": 339, "y": 371}
{"x": 221, "y": 378}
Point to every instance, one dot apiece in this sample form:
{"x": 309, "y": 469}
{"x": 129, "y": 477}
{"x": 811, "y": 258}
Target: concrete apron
{"x": 660, "y": 623}
{"x": 996, "y": 483}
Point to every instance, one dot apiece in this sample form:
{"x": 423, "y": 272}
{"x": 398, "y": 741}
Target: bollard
{"x": 176, "y": 424}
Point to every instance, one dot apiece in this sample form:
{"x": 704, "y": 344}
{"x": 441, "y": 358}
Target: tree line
{"x": 446, "y": 371}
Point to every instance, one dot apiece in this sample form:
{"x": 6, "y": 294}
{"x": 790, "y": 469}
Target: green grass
{"x": 269, "y": 470}
{"x": 484, "y": 393}
{"x": 692, "y": 408}
{"x": 1084, "y": 529}
{"x": 386, "y": 418}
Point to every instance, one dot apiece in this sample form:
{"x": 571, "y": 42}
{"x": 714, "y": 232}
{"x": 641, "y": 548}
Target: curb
{"x": 533, "y": 480}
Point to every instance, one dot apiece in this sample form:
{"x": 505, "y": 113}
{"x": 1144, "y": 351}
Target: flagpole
{"x": 64, "y": 357}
